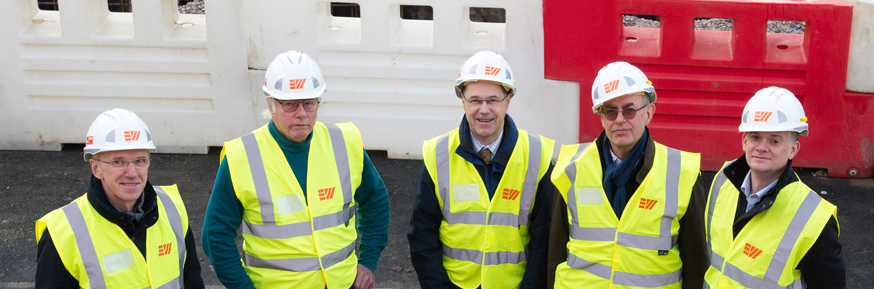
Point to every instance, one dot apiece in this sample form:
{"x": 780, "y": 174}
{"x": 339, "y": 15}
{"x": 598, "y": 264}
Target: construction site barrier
{"x": 196, "y": 79}
{"x": 704, "y": 77}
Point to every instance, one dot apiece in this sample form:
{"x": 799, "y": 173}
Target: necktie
{"x": 486, "y": 155}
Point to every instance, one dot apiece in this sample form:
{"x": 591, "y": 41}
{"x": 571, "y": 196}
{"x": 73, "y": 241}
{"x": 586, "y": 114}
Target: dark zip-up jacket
{"x": 426, "y": 250}
{"x": 692, "y": 242}
{"x": 823, "y": 265}
{"x": 50, "y": 270}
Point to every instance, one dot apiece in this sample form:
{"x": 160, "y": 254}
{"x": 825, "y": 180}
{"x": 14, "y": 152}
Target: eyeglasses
{"x": 629, "y": 113}
{"x": 490, "y": 101}
{"x": 309, "y": 105}
{"x": 120, "y": 164}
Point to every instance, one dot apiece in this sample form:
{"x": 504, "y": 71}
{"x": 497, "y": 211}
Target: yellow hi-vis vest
{"x": 289, "y": 242}
{"x": 767, "y": 250}
{"x": 100, "y": 255}
{"x": 638, "y": 251}
{"x": 485, "y": 242}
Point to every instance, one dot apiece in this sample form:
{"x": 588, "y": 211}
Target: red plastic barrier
{"x": 704, "y": 78}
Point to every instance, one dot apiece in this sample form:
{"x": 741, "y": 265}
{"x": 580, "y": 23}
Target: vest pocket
{"x": 116, "y": 262}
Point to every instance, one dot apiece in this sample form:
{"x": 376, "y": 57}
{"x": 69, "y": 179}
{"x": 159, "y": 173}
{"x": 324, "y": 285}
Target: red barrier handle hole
{"x": 631, "y": 39}
{"x": 782, "y": 46}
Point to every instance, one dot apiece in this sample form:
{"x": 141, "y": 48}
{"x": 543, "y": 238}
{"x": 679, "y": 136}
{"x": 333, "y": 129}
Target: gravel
{"x": 774, "y": 26}
{"x": 194, "y": 7}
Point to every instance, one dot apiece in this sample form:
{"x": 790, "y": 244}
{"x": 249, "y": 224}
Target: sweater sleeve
{"x": 50, "y": 270}
{"x": 191, "y": 269}
{"x": 423, "y": 235}
{"x": 224, "y": 213}
{"x": 823, "y": 265}
{"x": 559, "y": 236}
{"x": 373, "y": 215}
{"x": 692, "y": 242}
{"x": 538, "y": 229}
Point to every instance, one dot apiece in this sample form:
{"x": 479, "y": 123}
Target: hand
{"x": 364, "y": 279}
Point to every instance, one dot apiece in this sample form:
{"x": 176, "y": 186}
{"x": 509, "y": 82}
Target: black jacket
{"x": 823, "y": 265}
{"x": 426, "y": 250}
{"x": 692, "y": 243}
{"x": 50, "y": 270}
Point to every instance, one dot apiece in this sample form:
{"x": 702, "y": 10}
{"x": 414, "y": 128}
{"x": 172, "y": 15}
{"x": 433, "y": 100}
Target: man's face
{"x": 295, "y": 125}
{"x": 768, "y": 152}
{"x": 123, "y": 185}
{"x": 622, "y": 131}
{"x": 485, "y": 107}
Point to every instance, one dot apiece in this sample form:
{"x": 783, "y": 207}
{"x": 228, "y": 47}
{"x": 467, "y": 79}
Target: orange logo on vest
{"x": 492, "y": 70}
{"x": 296, "y": 83}
{"x": 647, "y": 203}
{"x": 762, "y": 116}
{"x": 611, "y": 86}
{"x": 326, "y": 193}
{"x": 164, "y": 249}
{"x": 131, "y": 135}
{"x": 752, "y": 251}
{"x": 510, "y": 194}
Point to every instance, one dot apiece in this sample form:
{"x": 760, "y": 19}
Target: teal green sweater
{"x": 224, "y": 214}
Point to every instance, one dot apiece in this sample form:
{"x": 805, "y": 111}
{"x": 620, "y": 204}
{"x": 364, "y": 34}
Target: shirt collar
{"x": 477, "y": 146}
{"x": 616, "y": 160}
{"x": 746, "y": 186}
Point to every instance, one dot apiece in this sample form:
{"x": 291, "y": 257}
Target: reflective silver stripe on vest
{"x": 529, "y": 188}
{"x": 640, "y": 280}
{"x": 597, "y": 269}
{"x": 86, "y": 247}
{"x": 301, "y": 264}
{"x": 176, "y": 283}
{"x": 175, "y": 220}
{"x": 491, "y": 258}
{"x": 592, "y": 234}
{"x": 783, "y": 251}
{"x": 270, "y": 229}
{"x": 571, "y": 172}
{"x": 716, "y": 260}
{"x": 714, "y": 193}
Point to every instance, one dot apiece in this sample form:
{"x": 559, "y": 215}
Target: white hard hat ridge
{"x": 117, "y": 129}
{"x": 486, "y": 66}
{"x": 774, "y": 109}
{"x": 618, "y": 79}
{"x": 293, "y": 75}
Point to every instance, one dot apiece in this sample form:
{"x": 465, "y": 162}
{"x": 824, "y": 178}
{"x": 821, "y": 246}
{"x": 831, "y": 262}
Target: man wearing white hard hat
{"x": 300, "y": 191}
{"x": 124, "y": 232}
{"x": 481, "y": 214}
{"x": 630, "y": 213}
{"x": 765, "y": 228}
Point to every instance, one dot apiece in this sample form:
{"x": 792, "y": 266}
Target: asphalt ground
{"x": 34, "y": 183}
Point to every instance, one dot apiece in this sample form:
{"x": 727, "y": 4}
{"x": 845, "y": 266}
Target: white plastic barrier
{"x": 394, "y": 77}
{"x": 185, "y": 75}
{"x": 860, "y": 67}
{"x": 196, "y": 79}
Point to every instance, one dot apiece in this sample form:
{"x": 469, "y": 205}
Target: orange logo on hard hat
{"x": 647, "y": 203}
{"x": 611, "y": 86}
{"x": 131, "y": 135}
{"x": 762, "y": 116}
{"x": 493, "y": 71}
{"x": 296, "y": 83}
{"x": 752, "y": 251}
{"x": 89, "y": 140}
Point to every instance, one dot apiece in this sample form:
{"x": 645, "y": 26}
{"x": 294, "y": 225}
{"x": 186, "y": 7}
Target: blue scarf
{"x": 616, "y": 176}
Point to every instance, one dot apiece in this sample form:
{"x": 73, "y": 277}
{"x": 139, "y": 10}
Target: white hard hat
{"x": 293, "y": 75}
{"x": 486, "y": 66}
{"x": 115, "y": 130}
{"x": 774, "y": 109}
{"x": 618, "y": 79}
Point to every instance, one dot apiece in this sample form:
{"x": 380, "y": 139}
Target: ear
{"x": 94, "y": 170}
{"x": 509, "y": 97}
{"x": 794, "y": 148}
{"x": 650, "y": 112}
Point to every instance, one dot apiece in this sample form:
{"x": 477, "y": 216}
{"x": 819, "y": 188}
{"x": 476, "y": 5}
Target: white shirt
{"x": 616, "y": 160}
{"x": 493, "y": 147}
{"x": 753, "y": 199}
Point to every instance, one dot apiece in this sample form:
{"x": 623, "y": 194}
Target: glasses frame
{"x": 488, "y": 102}
{"x": 298, "y": 104}
{"x": 627, "y": 113}
{"x": 116, "y": 164}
